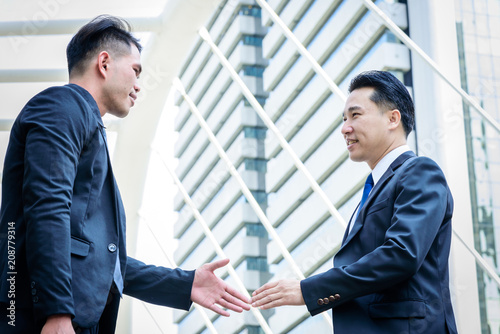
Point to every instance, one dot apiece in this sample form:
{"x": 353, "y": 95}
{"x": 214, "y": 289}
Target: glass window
{"x": 261, "y": 100}
{"x": 254, "y": 132}
{"x": 254, "y": 71}
{"x": 257, "y": 263}
{"x": 260, "y": 196}
{"x": 252, "y": 40}
{"x": 259, "y": 165}
{"x": 256, "y": 230}
{"x": 250, "y": 11}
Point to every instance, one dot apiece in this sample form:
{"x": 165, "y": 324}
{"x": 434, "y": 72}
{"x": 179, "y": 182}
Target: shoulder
{"x": 56, "y": 96}
{"x": 420, "y": 162}
{"x": 57, "y": 104}
{"x": 421, "y": 170}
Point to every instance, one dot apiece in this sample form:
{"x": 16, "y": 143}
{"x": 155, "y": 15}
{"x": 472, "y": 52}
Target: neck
{"x": 93, "y": 88}
{"x": 393, "y": 145}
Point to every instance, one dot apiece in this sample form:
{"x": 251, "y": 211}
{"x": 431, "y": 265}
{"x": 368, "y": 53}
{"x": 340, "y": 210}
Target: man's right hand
{"x": 58, "y": 324}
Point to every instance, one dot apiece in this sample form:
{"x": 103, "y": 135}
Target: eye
{"x": 137, "y": 73}
{"x": 354, "y": 114}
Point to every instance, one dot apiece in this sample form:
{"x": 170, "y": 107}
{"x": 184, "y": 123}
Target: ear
{"x": 394, "y": 117}
{"x": 103, "y": 62}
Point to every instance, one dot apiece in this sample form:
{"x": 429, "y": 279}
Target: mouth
{"x": 351, "y": 142}
{"x": 133, "y": 97}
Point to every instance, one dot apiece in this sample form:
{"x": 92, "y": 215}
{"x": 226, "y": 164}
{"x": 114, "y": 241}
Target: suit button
{"x": 112, "y": 247}
{"x": 337, "y": 296}
{"x": 325, "y": 301}
{"x": 331, "y": 298}
{"x": 320, "y": 302}
{"x": 35, "y": 299}
{"x": 33, "y": 292}
{"x": 33, "y": 284}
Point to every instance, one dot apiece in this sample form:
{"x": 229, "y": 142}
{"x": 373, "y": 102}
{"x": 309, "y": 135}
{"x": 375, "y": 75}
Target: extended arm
{"x": 178, "y": 288}
{"x": 418, "y": 213}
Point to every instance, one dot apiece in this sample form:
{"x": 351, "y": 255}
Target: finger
{"x": 218, "y": 310}
{"x": 224, "y": 303}
{"x": 265, "y": 292}
{"x": 217, "y": 264}
{"x": 235, "y": 301}
{"x": 265, "y": 287}
{"x": 268, "y": 302}
{"x": 235, "y": 293}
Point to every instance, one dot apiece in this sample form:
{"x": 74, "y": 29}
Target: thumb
{"x": 217, "y": 264}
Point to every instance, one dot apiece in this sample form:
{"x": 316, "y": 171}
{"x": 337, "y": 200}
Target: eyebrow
{"x": 350, "y": 110}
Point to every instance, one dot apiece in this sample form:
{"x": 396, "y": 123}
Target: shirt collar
{"x": 386, "y": 161}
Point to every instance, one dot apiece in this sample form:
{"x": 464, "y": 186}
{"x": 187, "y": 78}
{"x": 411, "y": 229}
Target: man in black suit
{"x": 62, "y": 217}
{"x": 391, "y": 272}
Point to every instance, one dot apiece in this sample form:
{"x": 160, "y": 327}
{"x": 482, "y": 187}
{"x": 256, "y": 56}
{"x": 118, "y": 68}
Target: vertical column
{"x": 441, "y": 136}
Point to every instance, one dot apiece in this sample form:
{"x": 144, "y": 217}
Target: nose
{"x": 346, "y": 128}
{"x": 137, "y": 88}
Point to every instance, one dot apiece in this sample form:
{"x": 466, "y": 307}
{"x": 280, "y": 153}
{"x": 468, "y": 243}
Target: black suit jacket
{"x": 59, "y": 193}
{"x": 391, "y": 272}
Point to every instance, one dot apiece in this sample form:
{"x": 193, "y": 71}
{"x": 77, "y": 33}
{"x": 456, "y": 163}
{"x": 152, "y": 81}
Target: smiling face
{"x": 121, "y": 85}
{"x": 370, "y": 132}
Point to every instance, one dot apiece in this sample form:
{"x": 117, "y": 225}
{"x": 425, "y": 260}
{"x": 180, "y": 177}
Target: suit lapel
{"x": 114, "y": 186}
{"x": 360, "y": 220}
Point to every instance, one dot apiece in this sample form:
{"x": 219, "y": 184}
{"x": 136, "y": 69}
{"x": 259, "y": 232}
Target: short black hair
{"x": 389, "y": 93}
{"x": 103, "y": 33}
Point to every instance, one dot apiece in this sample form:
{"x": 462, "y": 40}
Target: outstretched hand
{"x": 209, "y": 290}
{"x": 279, "y": 293}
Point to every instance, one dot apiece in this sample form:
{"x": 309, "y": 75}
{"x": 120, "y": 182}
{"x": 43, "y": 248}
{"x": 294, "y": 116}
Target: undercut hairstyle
{"x": 389, "y": 94}
{"x": 103, "y": 33}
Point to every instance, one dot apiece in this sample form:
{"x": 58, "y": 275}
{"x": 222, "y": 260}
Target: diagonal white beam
{"x": 172, "y": 264}
{"x": 480, "y": 260}
{"x": 218, "y": 249}
{"x": 303, "y": 51}
{"x": 244, "y": 188}
{"x": 269, "y": 123}
{"x": 415, "y": 48}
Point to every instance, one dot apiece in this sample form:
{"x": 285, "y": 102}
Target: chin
{"x": 355, "y": 158}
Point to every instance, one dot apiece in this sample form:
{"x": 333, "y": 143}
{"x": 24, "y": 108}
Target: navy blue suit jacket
{"x": 391, "y": 272}
{"x": 59, "y": 192}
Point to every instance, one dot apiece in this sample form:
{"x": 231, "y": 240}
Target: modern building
{"x": 345, "y": 38}
{"x": 478, "y": 33}
{"x": 238, "y": 31}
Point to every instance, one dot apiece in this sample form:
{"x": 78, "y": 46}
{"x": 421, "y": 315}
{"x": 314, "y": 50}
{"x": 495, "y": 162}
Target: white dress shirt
{"x": 380, "y": 169}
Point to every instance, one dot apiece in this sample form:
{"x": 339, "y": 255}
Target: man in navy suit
{"x": 62, "y": 228}
{"x": 391, "y": 272}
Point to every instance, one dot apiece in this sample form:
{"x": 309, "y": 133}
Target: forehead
{"x": 130, "y": 56}
{"x": 360, "y": 99}
{"x": 135, "y": 55}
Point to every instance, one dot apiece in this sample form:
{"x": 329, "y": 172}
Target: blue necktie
{"x": 366, "y": 191}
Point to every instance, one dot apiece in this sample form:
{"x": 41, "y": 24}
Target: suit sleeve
{"x": 158, "y": 285}
{"x": 419, "y": 209}
{"x": 54, "y": 130}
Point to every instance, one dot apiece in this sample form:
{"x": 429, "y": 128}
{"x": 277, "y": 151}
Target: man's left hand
{"x": 209, "y": 290}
